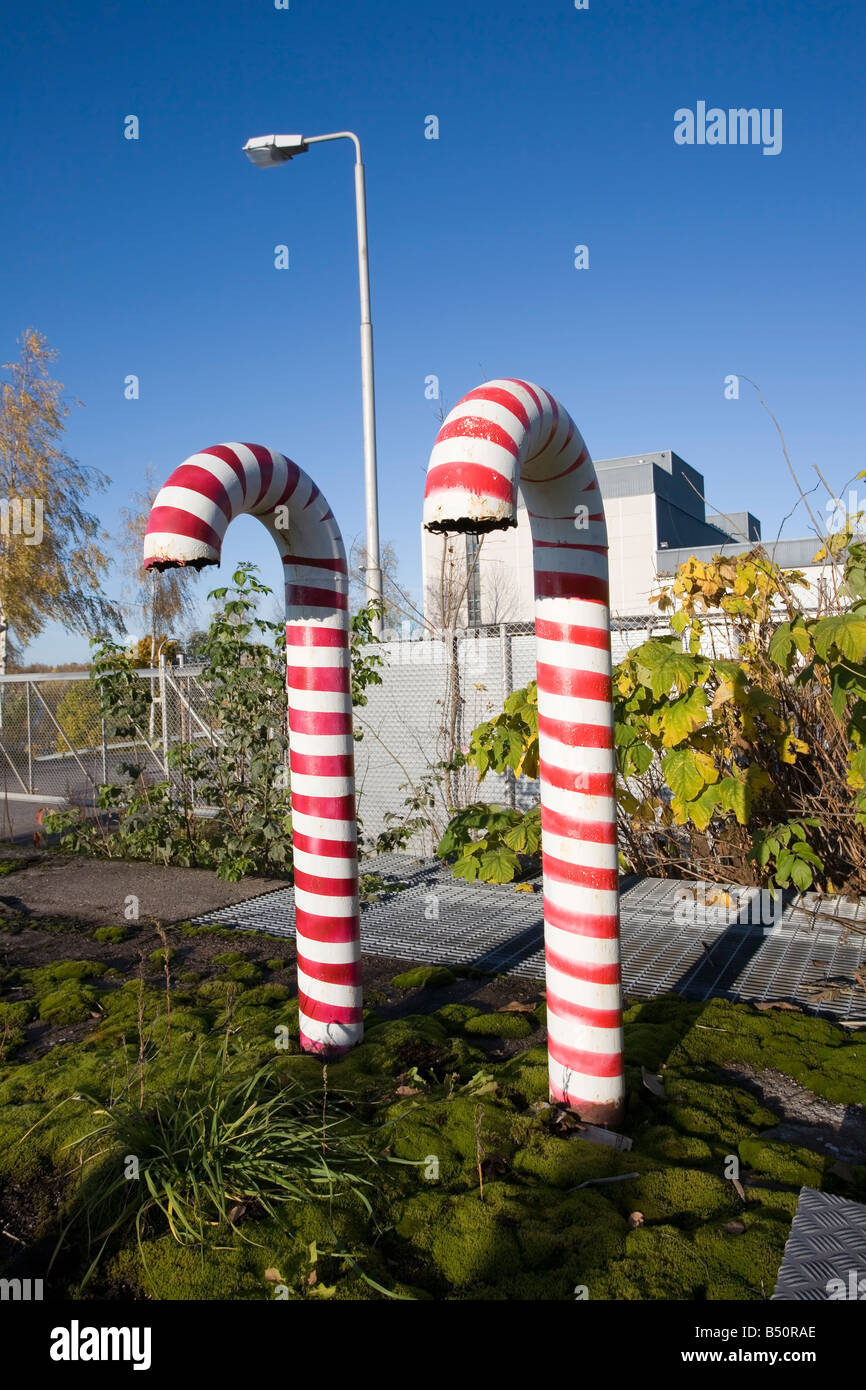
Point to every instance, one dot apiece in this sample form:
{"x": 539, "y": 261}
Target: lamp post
{"x": 267, "y": 151}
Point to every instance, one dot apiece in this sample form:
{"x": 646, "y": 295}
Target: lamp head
{"x": 267, "y": 150}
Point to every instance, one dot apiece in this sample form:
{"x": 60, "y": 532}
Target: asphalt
{"x": 104, "y": 891}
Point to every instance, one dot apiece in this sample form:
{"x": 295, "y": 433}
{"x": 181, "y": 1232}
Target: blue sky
{"x": 156, "y": 256}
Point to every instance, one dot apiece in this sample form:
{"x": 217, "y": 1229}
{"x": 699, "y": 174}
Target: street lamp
{"x": 267, "y": 151}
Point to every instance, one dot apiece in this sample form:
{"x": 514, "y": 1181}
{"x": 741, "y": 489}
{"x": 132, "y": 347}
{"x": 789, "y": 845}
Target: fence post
{"x": 507, "y": 687}
{"x": 163, "y": 709}
{"x": 29, "y": 743}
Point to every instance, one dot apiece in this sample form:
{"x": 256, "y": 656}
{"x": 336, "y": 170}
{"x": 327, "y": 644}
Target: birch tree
{"x": 52, "y": 558}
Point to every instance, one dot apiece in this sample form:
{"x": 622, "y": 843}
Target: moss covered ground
{"x": 481, "y": 1189}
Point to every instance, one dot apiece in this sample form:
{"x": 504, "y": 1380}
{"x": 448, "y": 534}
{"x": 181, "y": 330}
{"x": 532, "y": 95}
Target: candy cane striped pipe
{"x": 186, "y": 527}
{"x": 504, "y": 435}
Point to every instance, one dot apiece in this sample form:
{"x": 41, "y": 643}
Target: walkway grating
{"x": 810, "y": 957}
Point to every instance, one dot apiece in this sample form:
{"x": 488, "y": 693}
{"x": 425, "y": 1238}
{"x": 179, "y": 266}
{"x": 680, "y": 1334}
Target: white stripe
{"x": 321, "y": 828}
{"x": 331, "y": 1034}
{"x": 185, "y": 499}
{"x": 576, "y": 760}
{"x": 570, "y": 1033}
{"x": 486, "y": 409}
{"x": 591, "y": 996}
{"x": 168, "y": 545}
{"x": 317, "y": 656}
{"x": 577, "y": 803}
{"x": 588, "y": 902}
{"x": 322, "y": 701}
{"x": 576, "y": 709}
{"x": 577, "y": 612}
{"x": 587, "y": 853}
{"x": 572, "y": 656}
{"x": 329, "y": 952}
{"x": 594, "y": 1090}
{"x": 314, "y": 577}
{"x": 576, "y": 562}
{"x": 327, "y": 745}
{"x": 324, "y": 865}
{"x": 347, "y": 996}
{"x": 325, "y": 905}
{"x": 319, "y": 784}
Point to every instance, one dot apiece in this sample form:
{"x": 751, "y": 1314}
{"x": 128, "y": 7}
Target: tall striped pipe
{"x": 186, "y": 527}
{"x": 511, "y": 434}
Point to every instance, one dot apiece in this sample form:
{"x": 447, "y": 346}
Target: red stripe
{"x": 337, "y": 565}
{"x": 302, "y": 596}
{"x": 264, "y": 459}
{"x": 318, "y": 927}
{"x": 598, "y": 832}
{"x": 292, "y": 479}
{"x": 474, "y": 427}
{"x": 572, "y": 632}
{"x": 304, "y": 634}
{"x": 566, "y": 680}
{"x": 589, "y": 1063}
{"x": 323, "y": 764}
{"x": 313, "y": 721}
{"x": 329, "y": 887}
{"x": 587, "y": 784}
{"x": 328, "y": 1013}
{"x": 576, "y": 735}
{"x": 325, "y": 807}
{"x": 581, "y": 970}
{"x": 199, "y": 480}
{"x": 586, "y": 875}
{"x": 222, "y": 451}
{"x": 329, "y": 849}
{"x": 330, "y": 678}
{"x": 178, "y": 522}
{"x": 596, "y": 1018}
{"x": 594, "y": 924}
{"x": 499, "y": 397}
{"x": 330, "y": 972}
{"x": 474, "y": 477}
{"x": 551, "y": 584}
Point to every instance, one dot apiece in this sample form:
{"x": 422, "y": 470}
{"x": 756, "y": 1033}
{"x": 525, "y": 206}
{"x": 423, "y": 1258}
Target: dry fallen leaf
{"x": 739, "y": 1189}
{"x": 779, "y": 1004}
{"x": 273, "y": 1276}
{"x": 523, "y": 888}
{"x": 312, "y": 1277}
{"x": 515, "y": 1007}
{"x": 635, "y": 1220}
{"x": 734, "y": 1228}
{"x": 407, "y": 1091}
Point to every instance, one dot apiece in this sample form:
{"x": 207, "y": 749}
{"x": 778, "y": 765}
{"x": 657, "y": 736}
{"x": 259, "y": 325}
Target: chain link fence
{"x": 55, "y": 748}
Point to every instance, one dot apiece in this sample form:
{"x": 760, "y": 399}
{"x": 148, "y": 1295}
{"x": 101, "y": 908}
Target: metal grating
{"x": 827, "y": 1241}
{"x": 805, "y": 958}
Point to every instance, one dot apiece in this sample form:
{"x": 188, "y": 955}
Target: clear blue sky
{"x": 155, "y": 256}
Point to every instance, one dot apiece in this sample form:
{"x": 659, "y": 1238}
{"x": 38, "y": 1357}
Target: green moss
{"x": 425, "y": 977}
{"x": 501, "y": 1025}
{"x": 676, "y": 1196}
{"x": 47, "y": 977}
{"x": 71, "y": 1002}
{"x": 454, "y": 1017}
{"x": 276, "y": 963}
{"x": 785, "y": 1163}
{"x": 158, "y": 956}
{"x": 663, "y": 1141}
{"x": 526, "y": 1075}
{"x": 112, "y": 934}
{"x": 264, "y": 996}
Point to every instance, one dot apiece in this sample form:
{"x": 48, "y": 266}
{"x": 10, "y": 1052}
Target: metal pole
{"x": 373, "y": 572}
{"x": 29, "y": 743}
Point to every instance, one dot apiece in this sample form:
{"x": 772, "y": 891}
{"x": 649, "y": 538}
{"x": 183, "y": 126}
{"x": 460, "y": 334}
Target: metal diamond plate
{"x": 827, "y": 1242}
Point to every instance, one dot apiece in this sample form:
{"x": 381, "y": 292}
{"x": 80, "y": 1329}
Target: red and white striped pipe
{"x": 186, "y": 527}
{"x": 505, "y": 435}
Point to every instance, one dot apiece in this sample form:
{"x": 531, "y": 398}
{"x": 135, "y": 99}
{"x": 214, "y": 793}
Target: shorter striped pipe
{"x": 186, "y": 527}
{"x": 505, "y": 435}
